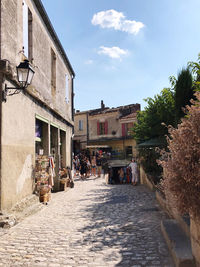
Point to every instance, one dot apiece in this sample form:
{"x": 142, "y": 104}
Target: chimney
{"x": 102, "y": 105}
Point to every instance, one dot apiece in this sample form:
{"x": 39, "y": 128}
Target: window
{"x": 25, "y": 28}
{"x": 80, "y": 125}
{"x": 53, "y": 73}
{"x": 30, "y": 36}
{"x": 128, "y": 151}
{"x": 27, "y": 32}
{"x": 126, "y": 128}
{"x": 41, "y": 138}
{"x": 102, "y": 128}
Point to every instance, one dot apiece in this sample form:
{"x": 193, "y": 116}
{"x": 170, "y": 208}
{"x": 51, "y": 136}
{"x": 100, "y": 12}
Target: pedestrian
{"x": 134, "y": 171}
{"x": 121, "y": 175}
{"x": 99, "y": 165}
{"x": 93, "y": 163}
{"x": 88, "y": 171}
{"x": 83, "y": 167}
{"x": 77, "y": 165}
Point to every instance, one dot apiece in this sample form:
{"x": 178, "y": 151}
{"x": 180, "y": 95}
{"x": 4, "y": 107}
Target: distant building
{"x": 38, "y": 121}
{"x": 106, "y": 128}
{"x": 80, "y": 131}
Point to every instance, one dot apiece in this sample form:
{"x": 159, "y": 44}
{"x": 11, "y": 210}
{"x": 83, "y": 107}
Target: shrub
{"x": 181, "y": 165}
{"x": 148, "y": 159}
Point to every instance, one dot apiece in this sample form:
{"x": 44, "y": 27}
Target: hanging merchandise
{"x": 65, "y": 178}
{"x": 43, "y": 179}
{"x": 51, "y": 171}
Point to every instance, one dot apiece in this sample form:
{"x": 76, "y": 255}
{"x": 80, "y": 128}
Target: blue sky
{"x": 123, "y": 51}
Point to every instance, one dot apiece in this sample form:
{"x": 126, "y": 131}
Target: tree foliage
{"x": 181, "y": 164}
{"x": 159, "y": 110}
{"x": 184, "y": 92}
{"x": 195, "y": 68}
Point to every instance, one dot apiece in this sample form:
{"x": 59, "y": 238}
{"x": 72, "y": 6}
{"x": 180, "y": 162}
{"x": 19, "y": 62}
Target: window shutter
{"x": 98, "y": 128}
{"x": 123, "y": 129}
{"x": 106, "y": 127}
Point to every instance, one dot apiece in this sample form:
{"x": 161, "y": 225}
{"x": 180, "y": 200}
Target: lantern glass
{"x": 22, "y": 76}
{"x": 30, "y": 76}
{"x": 25, "y": 73}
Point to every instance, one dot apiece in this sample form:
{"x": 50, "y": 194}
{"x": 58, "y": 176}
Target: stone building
{"x": 38, "y": 120}
{"x": 80, "y": 130}
{"x": 108, "y": 128}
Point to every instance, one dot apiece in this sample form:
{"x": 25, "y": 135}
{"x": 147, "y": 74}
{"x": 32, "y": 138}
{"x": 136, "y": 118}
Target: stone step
{"x": 179, "y": 244}
{"x": 24, "y": 208}
{"x": 32, "y": 209}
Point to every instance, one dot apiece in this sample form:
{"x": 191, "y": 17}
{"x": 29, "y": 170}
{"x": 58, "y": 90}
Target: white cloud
{"x": 89, "y": 62}
{"x": 114, "y": 19}
{"x": 132, "y": 26}
{"x": 113, "y": 52}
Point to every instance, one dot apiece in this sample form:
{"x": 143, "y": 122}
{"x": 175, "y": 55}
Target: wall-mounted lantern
{"x": 24, "y": 76}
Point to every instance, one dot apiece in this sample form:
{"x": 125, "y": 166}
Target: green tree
{"x": 195, "y": 68}
{"x": 151, "y": 124}
{"x": 158, "y": 112}
{"x": 184, "y": 92}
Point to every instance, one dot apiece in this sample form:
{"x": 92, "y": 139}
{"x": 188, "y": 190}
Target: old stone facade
{"x": 80, "y": 130}
{"x": 40, "y": 119}
{"x": 108, "y": 128}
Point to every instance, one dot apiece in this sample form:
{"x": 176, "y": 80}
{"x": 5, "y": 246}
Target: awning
{"x": 154, "y": 142}
{"x": 98, "y": 146}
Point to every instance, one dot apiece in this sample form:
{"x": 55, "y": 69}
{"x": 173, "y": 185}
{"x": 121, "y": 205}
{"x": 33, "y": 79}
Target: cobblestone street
{"x": 93, "y": 224}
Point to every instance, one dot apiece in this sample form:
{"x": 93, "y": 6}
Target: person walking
{"x": 88, "y": 170}
{"x": 99, "y": 165}
{"x": 134, "y": 171}
{"x": 93, "y": 163}
{"x": 121, "y": 175}
{"x": 83, "y": 168}
{"x": 76, "y": 163}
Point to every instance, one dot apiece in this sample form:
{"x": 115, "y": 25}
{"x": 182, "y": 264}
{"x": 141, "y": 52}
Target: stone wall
{"x": 20, "y": 111}
{"x": 113, "y": 125}
{"x": 18, "y": 147}
{"x": 83, "y": 117}
{"x": 12, "y": 47}
{"x": 144, "y": 179}
{"x": 195, "y": 239}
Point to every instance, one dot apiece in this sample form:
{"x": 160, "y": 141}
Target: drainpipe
{"x": 1, "y": 85}
{"x": 72, "y": 97}
{"x": 87, "y": 130}
{"x": 72, "y": 110}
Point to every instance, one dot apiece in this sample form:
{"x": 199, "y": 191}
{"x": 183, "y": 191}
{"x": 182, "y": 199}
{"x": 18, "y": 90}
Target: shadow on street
{"x": 126, "y": 219}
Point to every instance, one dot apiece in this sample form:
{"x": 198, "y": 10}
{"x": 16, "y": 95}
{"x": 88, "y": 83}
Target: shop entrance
{"x": 62, "y": 149}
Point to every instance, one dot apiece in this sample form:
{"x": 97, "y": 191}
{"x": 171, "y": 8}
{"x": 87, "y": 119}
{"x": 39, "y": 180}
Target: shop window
{"x": 41, "y": 137}
{"x": 53, "y": 73}
{"x": 102, "y": 128}
{"x": 80, "y": 125}
{"x": 27, "y": 32}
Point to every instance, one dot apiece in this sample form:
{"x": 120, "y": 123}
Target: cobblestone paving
{"x": 93, "y": 224}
